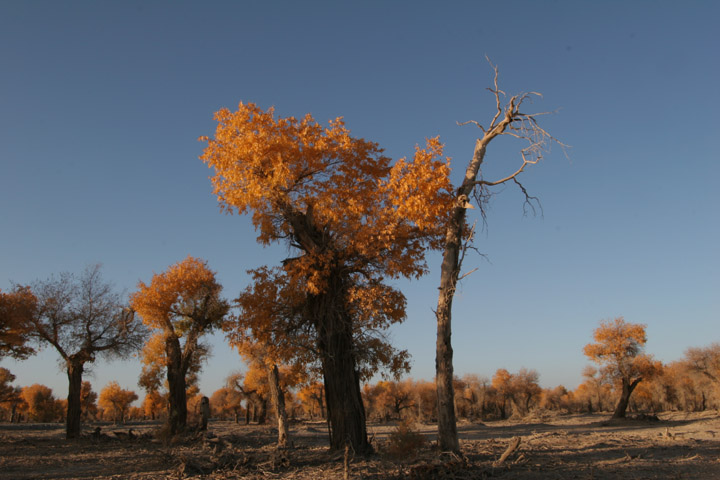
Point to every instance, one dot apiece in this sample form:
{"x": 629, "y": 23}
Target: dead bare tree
{"x": 508, "y": 121}
{"x": 83, "y": 318}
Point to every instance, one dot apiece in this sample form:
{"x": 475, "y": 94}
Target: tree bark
{"x": 327, "y": 311}
{"x": 627, "y": 389}
{"x": 345, "y": 409}
{"x": 321, "y": 403}
{"x": 450, "y": 270}
{"x": 177, "y": 397}
{"x": 449, "y": 273}
{"x": 74, "y": 411}
{"x": 278, "y": 399}
{"x": 260, "y": 410}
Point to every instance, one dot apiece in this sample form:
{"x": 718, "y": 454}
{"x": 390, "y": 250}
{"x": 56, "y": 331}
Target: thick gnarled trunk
{"x": 177, "y": 395}
{"x": 74, "y": 410}
{"x": 345, "y": 409}
{"x": 278, "y": 399}
{"x": 327, "y": 311}
{"x": 627, "y": 389}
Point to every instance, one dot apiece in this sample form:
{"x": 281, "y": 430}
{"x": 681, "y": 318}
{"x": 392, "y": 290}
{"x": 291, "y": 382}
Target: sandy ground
{"x": 679, "y": 446}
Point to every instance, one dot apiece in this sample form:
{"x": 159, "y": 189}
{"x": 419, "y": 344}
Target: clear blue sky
{"x": 101, "y": 104}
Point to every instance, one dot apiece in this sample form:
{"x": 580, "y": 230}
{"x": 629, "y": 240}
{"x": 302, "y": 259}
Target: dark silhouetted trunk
{"x": 320, "y": 399}
{"x": 74, "y": 411}
{"x": 447, "y": 423}
{"x": 503, "y": 410}
{"x": 622, "y": 405}
{"x": 260, "y": 410}
{"x": 328, "y": 313}
{"x": 278, "y": 399}
{"x": 345, "y": 409}
{"x": 177, "y": 396}
{"x": 258, "y": 405}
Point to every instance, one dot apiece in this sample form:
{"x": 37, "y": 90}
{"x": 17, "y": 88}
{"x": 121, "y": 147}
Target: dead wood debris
{"x": 514, "y": 444}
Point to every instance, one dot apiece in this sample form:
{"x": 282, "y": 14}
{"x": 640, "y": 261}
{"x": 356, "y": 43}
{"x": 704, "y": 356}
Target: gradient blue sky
{"x": 101, "y": 104}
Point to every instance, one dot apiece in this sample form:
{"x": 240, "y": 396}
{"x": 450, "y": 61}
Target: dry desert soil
{"x": 677, "y": 446}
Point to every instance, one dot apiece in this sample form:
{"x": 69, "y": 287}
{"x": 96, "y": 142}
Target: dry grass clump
{"x": 404, "y": 442}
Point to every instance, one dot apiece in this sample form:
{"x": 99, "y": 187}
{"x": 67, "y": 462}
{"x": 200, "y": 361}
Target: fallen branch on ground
{"x": 514, "y": 444}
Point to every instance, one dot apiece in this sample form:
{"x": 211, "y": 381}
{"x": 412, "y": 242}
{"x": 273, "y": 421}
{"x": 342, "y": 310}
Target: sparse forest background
{"x": 689, "y": 384}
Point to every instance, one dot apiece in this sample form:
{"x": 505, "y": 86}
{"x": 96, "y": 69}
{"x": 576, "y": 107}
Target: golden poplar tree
{"x": 182, "y": 303}
{"x": 115, "y": 401}
{"x": 618, "y": 348}
{"x": 354, "y": 218}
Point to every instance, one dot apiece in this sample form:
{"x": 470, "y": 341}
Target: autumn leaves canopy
{"x": 376, "y": 217}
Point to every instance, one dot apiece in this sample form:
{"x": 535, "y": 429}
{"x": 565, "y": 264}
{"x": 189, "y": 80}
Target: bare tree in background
{"x": 83, "y": 318}
{"x": 508, "y": 121}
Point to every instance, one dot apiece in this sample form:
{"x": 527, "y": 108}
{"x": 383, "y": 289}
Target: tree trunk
{"x": 278, "y": 399}
{"x": 74, "y": 412}
{"x": 177, "y": 396}
{"x": 345, "y": 409}
{"x": 321, "y": 402}
{"x": 528, "y": 399}
{"x": 449, "y": 273}
{"x": 260, "y": 411}
{"x": 627, "y": 389}
{"x": 334, "y": 326}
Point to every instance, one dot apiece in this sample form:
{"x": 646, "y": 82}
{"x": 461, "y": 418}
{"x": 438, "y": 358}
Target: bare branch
{"x": 496, "y": 91}
{"x": 528, "y": 198}
{"x": 473, "y": 122}
{"x": 468, "y": 273}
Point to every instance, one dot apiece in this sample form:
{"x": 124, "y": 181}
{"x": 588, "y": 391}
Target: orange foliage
{"x": 227, "y": 402}
{"x": 153, "y": 404}
{"x": 88, "y": 401}
{"x": 116, "y": 401}
{"x": 271, "y": 315}
{"x": 183, "y": 303}
{"x": 268, "y": 326}
{"x": 357, "y": 221}
{"x": 274, "y": 167}
{"x": 173, "y": 300}
{"x": 17, "y": 308}
{"x": 501, "y": 382}
{"x": 619, "y": 349}
{"x": 40, "y": 403}
{"x": 312, "y": 399}
{"x": 390, "y": 399}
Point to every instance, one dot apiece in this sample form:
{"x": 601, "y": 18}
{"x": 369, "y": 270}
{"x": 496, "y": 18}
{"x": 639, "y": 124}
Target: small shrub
{"x": 404, "y": 442}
